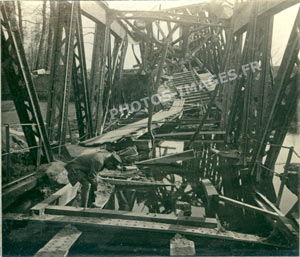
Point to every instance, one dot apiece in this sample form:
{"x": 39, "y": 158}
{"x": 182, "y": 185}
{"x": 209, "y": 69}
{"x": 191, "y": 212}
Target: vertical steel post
{"x": 286, "y": 67}
{"x": 69, "y": 51}
{"x": 283, "y": 180}
{"x": 80, "y": 83}
{"x": 95, "y": 68}
{"x": 99, "y": 104}
{"x": 7, "y": 136}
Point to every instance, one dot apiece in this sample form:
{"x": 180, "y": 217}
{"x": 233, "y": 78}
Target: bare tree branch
{"x": 42, "y": 38}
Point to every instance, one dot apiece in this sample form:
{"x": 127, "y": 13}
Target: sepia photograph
{"x": 150, "y": 128}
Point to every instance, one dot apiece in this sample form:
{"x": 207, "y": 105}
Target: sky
{"x": 283, "y": 23}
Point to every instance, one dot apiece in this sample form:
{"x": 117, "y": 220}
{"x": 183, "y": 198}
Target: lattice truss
{"x": 17, "y": 74}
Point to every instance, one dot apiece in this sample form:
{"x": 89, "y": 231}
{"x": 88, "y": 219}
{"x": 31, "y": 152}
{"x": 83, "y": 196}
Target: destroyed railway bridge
{"x": 232, "y": 129}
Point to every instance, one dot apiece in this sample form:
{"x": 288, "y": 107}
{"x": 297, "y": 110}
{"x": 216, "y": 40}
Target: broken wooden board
{"x": 134, "y": 183}
{"x": 154, "y": 217}
{"x": 63, "y": 196}
{"x": 103, "y": 193}
{"x": 61, "y": 243}
{"x": 96, "y": 224}
{"x": 119, "y": 174}
{"x": 137, "y": 129}
{"x": 180, "y": 246}
{"x": 186, "y": 155}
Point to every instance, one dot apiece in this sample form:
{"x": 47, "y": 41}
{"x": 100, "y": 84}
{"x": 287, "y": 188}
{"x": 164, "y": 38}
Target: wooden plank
{"x": 96, "y": 224}
{"x": 63, "y": 196}
{"x": 103, "y": 194}
{"x": 210, "y": 190}
{"x": 124, "y": 182}
{"x": 186, "y": 155}
{"x": 10, "y": 194}
{"x": 138, "y": 128}
{"x": 61, "y": 243}
{"x": 154, "y": 217}
{"x": 180, "y": 246}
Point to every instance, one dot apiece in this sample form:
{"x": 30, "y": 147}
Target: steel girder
{"x": 283, "y": 107}
{"x": 100, "y": 87}
{"x": 69, "y": 60}
{"x": 21, "y": 84}
{"x": 80, "y": 83}
{"x": 163, "y": 16}
{"x": 59, "y": 91}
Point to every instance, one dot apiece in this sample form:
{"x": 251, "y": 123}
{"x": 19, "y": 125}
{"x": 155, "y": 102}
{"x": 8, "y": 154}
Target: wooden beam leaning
{"x": 62, "y": 196}
{"x": 247, "y": 206}
{"x": 61, "y": 243}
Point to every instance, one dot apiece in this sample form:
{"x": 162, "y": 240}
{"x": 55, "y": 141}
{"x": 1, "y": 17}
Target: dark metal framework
{"x": 18, "y": 77}
{"x": 59, "y": 92}
{"x": 80, "y": 83}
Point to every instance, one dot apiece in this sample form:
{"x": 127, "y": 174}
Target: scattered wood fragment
{"x": 180, "y": 246}
{"x": 103, "y": 194}
{"x": 124, "y": 182}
